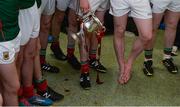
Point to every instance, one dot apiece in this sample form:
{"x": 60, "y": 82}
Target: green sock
{"x": 148, "y": 54}
{"x": 43, "y": 52}
{"x": 167, "y": 53}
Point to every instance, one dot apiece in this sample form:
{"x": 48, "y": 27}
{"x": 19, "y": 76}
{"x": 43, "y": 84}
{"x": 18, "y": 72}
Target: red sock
{"x": 70, "y": 52}
{"x": 85, "y": 68}
{"x": 28, "y": 91}
{"x": 92, "y": 56}
{"x": 20, "y": 92}
{"x": 42, "y": 59}
{"x": 42, "y": 86}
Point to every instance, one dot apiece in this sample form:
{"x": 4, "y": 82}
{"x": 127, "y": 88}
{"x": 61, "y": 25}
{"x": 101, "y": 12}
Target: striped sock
{"x": 148, "y": 54}
{"x": 167, "y": 53}
{"x": 92, "y": 54}
{"x": 70, "y": 50}
{"x": 84, "y": 67}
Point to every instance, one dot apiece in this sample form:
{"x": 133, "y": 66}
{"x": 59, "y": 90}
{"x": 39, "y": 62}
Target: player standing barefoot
{"x": 140, "y": 10}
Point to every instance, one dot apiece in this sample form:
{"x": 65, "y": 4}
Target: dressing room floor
{"x": 161, "y": 89}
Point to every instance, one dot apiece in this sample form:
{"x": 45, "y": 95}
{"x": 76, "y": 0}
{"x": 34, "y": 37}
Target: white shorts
{"x": 159, "y": 6}
{"x": 136, "y": 8}
{"x": 95, "y": 5}
{"x": 62, "y": 5}
{"x": 9, "y": 49}
{"x": 29, "y": 23}
{"x": 47, "y": 7}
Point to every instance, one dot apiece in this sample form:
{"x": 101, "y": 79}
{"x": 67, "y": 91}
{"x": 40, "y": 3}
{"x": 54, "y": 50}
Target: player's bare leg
{"x": 56, "y": 29}
{"x": 145, "y": 35}
{"x": 73, "y": 27}
{"x": 10, "y": 89}
{"x": 120, "y": 27}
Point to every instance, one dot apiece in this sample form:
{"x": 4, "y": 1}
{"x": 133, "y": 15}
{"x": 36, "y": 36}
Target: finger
{"x": 86, "y": 10}
{"x": 83, "y": 9}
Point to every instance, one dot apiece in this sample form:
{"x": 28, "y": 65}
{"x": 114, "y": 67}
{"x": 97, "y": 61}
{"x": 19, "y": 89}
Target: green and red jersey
{"x": 25, "y": 4}
{"x": 9, "y": 11}
{"x": 29, "y": 3}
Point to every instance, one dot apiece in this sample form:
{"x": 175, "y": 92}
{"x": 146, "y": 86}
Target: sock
{"x": 84, "y": 67}
{"x": 148, "y": 54}
{"x": 43, "y": 56}
{"x": 20, "y": 92}
{"x": 28, "y": 91}
{"x": 167, "y": 53}
{"x": 92, "y": 54}
{"x": 41, "y": 85}
{"x": 70, "y": 51}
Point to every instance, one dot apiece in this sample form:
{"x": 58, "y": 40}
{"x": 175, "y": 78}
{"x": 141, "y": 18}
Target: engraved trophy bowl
{"x": 91, "y": 22}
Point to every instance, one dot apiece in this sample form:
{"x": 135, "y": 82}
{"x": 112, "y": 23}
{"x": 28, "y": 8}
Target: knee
{"x": 29, "y": 55}
{"x": 119, "y": 31}
{"x": 45, "y": 25}
{"x": 147, "y": 38}
{"x": 171, "y": 25}
{"x": 59, "y": 18}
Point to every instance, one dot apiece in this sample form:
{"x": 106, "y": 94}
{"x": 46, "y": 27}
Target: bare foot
{"x": 127, "y": 73}
{"x": 121, "y": 75}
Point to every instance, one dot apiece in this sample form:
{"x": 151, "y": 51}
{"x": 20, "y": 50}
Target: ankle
{"x": 84, "y": 67}
{"x": 42, "y": 59}
{"x": 70, "y": 52}
{"x": 28, "y": 91}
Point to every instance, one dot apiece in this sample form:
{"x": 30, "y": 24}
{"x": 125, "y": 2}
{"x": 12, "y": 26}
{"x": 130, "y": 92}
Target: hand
{"x": 84, "y": 6}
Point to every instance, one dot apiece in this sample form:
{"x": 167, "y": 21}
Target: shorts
{"x": 47, "y": 7}
{"x": 95, "y": 5}
{"x": 136, "y": 8}
{"x": 159, "y": 6}
{"x": 8, "y": 50}
{"x": 29, "y": 23}
{"x": 62, "y": 5}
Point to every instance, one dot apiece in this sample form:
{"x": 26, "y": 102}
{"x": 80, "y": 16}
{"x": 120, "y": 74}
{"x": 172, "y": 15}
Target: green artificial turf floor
{"x": 160, "y": 90}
